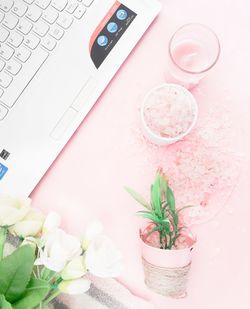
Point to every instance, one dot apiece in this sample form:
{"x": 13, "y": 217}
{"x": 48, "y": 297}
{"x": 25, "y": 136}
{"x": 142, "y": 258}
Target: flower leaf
{"x": 15, "y": 271}
{"x": 36, "y": 292}
{"x": 138, "y": 198}
{"x": 4, "y": 304}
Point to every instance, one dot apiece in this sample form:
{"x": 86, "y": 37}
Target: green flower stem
{"x": 3, "y": 235}
{"x": 51, "y": 297}
{"x": 46, "y": 273}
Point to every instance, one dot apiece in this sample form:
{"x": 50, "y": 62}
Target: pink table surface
{"x": 86, "y": 181}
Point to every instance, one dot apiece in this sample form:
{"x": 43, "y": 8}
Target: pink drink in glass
{"x": 190, "y": 55}
{"x": 193, "y": 50}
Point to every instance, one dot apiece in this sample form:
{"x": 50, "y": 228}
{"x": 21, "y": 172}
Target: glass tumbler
{"x": 193, "y": 50}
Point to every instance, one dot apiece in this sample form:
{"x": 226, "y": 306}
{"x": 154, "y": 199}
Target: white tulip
{"x": 52, "y": 222}
{"x": 102, "y": 258}
{"x": 30, "y": 225}
{"x": 93, "y": 230}
{"x": 59, "y": 249}
{"x": 75, "y": 269}
{"x": 74, "y": 287}
{"x": 13, "y": 209}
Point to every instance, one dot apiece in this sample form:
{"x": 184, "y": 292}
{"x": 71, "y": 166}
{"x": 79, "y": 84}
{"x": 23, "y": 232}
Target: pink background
{"x": 86, "y": 181}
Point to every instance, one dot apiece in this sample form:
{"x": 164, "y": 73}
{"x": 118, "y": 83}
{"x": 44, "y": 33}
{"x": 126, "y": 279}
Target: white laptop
{"x": 56, "y": 58}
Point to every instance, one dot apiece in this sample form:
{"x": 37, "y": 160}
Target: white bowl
{"x": 153, "y": 136}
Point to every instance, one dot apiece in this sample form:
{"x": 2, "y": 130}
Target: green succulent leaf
{"x": 170, "y": 199}
{"x": 185, "y": 207}
{"x": 4, "y": 304}
{"x": 176, "y": 219}
{"x": 164, "y": 187}
{"x": 156, "y": 197}
{"x": 36, "y": 292}
{"x": 138, "y": 198}
{"x": 15, "y": 271}
{"x": 147, "y": 215}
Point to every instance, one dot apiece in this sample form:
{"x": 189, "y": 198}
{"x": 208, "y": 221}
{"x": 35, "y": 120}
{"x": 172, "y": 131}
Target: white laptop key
{"x": 59, "y": 4}
{"x": 71, "y": 7}
{"x": 50, "y": 15}
{"x": 41, "y": 28}
{"x": 87, "y": 2}
{"x": 24, "y": 26}
{"x": 2, "y": 65}
{"x": 1, "y": 92}
{"x": 6, "y": 51}
{"x": 29, "y": 1}
{"x": 19, "y": 8}
{"x": 4, "y": 33}
{"x": 13, "y": 67}
{"x": 3, "y": 112}
{"x": 56, "y": 32}
{"x": 6, "y": 5}
{"x": 10, "y": 21}
{"x": 21, "y": 81}
{"x": 64, "y": 21}
{"x": 79, "y": 12}
{"x": 5, "y": 80}
{"x": 15, "y": 39}
{"x": 22, "y": 54}
{"x": 43, "y": 4}
{"x": 1, "y": 16}
{"x": 31, "y": 41}
{"x": 34, "y": 13}
{"x": 49, "y": 43}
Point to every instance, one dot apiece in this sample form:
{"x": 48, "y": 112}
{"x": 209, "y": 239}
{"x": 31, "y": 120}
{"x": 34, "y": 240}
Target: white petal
{"x": 103, "y": 259}
{"x": 56, "y": 265}
{"x": 14, "y": 202}
{"x": 52, "y": 221}
{"x": 26, "y": 228}
{"x": 59, "y": 249}
{"x": 74, "y": 287}
{"x": 74, "y": 269}
{"x": 11, "y": 215}
{"x": 93, "y": 230}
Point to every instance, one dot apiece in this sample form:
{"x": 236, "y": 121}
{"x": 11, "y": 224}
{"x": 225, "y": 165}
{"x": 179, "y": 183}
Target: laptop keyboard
{"x": 29, "y": 31}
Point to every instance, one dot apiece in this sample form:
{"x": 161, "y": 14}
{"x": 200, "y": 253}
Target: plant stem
{"x": 3, "y": 235}
{"x": 51, "y": 297}
{"x": 161, "y": 244}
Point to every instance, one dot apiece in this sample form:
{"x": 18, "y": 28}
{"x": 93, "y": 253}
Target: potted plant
{"x": 166, "y": 242}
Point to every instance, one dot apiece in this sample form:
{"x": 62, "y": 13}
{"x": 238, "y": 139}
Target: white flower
{"x": 93, "y": 230}
{"x": 59, "y": 249}
{"x": 75, "y": 269}
{"x": 13, "y": 209}
{"x": 52, "y": 222}
{"x": 74, "y": 287}
{"x": 102, "y": 258}
{"x": 30, "y": 225}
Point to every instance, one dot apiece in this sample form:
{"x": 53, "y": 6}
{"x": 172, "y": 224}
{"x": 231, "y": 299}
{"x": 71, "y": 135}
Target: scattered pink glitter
{"x": 203, "y": 168}
{"x": 169, "y": 112}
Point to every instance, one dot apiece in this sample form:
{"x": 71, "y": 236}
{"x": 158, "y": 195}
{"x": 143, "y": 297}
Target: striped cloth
{"x": 103, "y": 293}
